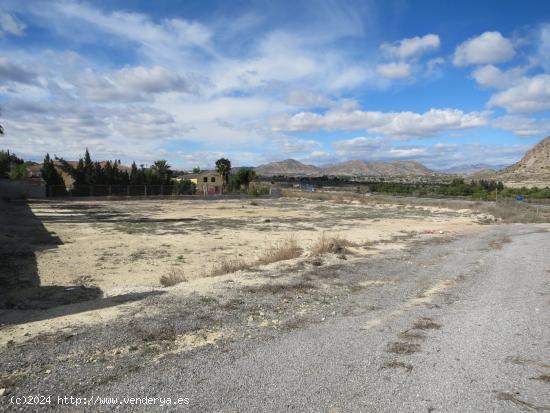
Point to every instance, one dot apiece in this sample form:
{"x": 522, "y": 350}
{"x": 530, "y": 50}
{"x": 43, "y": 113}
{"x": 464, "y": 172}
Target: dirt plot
{"x": 117, "y": 246}
{"x": 95, "y": 256}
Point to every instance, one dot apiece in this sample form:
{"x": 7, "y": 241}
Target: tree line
{"x": 87, "y": 172}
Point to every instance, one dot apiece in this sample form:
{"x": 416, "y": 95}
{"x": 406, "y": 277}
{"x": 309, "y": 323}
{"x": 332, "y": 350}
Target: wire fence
{"x": 117, "y": 190}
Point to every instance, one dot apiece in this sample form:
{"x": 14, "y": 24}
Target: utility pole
{"x": 496, "y": 194}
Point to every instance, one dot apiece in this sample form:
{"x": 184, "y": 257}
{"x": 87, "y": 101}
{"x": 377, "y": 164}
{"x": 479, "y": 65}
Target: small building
{"x": 207, "y": 182}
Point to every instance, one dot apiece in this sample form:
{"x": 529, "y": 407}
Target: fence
{"x": 22, "y": 188}
{"x": 116, "y": 190}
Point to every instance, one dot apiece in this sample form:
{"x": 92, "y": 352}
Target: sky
{"x": 444, "y": 83}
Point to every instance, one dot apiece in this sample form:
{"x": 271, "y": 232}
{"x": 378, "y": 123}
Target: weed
{"x": 282, "y": 251}
{"x": 402, "y": 347}
{"x": 398, "y": 364}
{"x": 279, "y": 288}
{"x": 174, "y": 276}
{"x": 426, "y": 324}
{"x": 334, "y": 245}
{"x": 164, "y": 332}
{"x": 229, "y": 265}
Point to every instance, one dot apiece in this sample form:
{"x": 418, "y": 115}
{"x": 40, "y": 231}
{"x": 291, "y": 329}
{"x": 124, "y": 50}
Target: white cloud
{"x": 308, "y": 99}
{"x": 13, "y": 72}
{"x": 492, "y": 76}
{"x": 402, "y": 125}
{"x": 134, "y": 83}
{"x": 295, "y": 146}
{"x": 523, "y": 126}
{"x": 437, "y": 156}
{"x": 432, "y": 66}
{"x": 10, "y": 25}
{"x": 411, "y": 47}
{"x": 394, "y": 70}
{"x": 529, "y": 95}
{"x": 489, "y": 47}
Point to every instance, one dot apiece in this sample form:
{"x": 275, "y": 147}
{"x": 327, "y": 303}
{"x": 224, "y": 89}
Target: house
{"x": 208, "y": 182}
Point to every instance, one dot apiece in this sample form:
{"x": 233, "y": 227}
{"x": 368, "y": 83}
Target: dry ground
{"x": 119, "y": 250}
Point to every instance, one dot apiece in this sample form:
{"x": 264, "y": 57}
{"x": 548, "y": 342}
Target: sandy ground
{"x": 120, "y": 249}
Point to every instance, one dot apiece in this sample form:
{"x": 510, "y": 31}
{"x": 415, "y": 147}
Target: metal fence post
{"x": 145, "y": 190}
{"x": 91, "y": 190}
{"x": 128, "y": 190}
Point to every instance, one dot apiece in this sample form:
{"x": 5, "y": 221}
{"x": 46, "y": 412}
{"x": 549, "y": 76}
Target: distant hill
{"x": 363, "y": 168}
{"x": 292, "y": 167}
{"x": 466, "y": 169}
{"x": 289, "y": 167}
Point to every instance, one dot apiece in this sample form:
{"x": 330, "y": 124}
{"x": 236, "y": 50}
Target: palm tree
{"x": 162, "y": 170}
{"x": 223, "y": 167}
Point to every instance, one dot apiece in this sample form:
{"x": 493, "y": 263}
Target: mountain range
{"x": 292, "y": 167}
{"x": 532, "y": 170}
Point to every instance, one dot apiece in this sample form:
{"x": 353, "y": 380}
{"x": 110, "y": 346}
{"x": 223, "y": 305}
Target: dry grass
{"x": 544, "y": 378}
{"x": 282, "y": 251}
{"x": 397, "y": 365}
{"x": 334, "y": 245}
{"x": 426, "y": 324}
{"x": 402, "y": 347}
{"x": 279, "y": 288}
{"x": 175, "y": 276}
{"x": 229, "y": 265}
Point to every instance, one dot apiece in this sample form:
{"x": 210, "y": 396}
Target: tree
{"x": 243, "y": 177}
{"x": 223, "y": 167}
{"x": 49, "y": 173}
{"x": 7, "y": 160}
{"x": 197, "y": 170}
{"x": 19, "y": 171}
{"x": 161, "y": 173}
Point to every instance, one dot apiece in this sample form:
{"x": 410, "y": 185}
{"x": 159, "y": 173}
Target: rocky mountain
{"x": 466, "y": 169}
{"x": 289, "y": 167}
{"x": 532, "y": 170}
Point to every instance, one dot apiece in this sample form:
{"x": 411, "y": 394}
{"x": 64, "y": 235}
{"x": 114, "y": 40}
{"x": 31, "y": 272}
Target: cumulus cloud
{"x": 529, "y": 95}
{"x": 492, "y": 76}
{"x": 401, "y": 125}
{"x": 411, "y": 47}
{"x": 398, "y": 70}
{"x": 487, "y": 48}
{"x": 10, "y": 25}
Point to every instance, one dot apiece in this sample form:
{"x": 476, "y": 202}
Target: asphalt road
{"x": 458, "y": 327}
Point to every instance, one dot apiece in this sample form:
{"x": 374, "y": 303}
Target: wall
{"x": 23, "y": 188}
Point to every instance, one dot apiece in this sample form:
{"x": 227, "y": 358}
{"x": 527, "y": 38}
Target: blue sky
{"x": 445, "y": 83}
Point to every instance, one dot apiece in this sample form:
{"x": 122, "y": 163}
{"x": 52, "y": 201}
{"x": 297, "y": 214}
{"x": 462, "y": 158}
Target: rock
{"x": 48, "y": 371}
{"x": 2, "y": 392}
